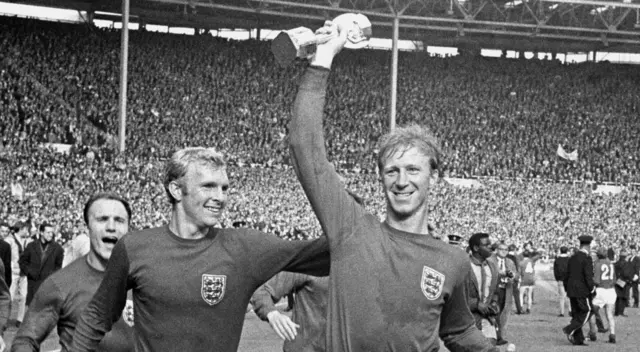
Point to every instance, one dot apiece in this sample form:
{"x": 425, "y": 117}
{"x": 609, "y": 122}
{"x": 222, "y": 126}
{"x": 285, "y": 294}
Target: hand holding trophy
{"x": 301, "y": 42}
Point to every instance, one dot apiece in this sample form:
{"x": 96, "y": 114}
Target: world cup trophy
{"x": 301, "y": 42}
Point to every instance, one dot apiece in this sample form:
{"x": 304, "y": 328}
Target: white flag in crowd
{"x": 573, "y": 156}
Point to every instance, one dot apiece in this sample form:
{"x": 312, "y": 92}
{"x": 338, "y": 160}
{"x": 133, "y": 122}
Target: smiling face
{"x": 406, "y": 178}
{"x": 202, "y": 194}
{"x": 46, "y": 236}
{"x": 108, "y": 221}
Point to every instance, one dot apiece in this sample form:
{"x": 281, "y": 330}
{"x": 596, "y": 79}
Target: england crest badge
{"x": 213, "y": 288}
{"x": 432, "y": 283}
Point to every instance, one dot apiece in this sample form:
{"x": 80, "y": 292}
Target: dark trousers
{"x": 502, "y": 298}
{"x": 622, "y": 301}
{"x": 636, "y": 295}
{"x": 516, "y": 298}
{"x": 580, "y": 314}
{"x": 599, "y": 322}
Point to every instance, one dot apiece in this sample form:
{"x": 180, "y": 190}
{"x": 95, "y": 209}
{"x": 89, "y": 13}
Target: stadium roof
{"x": 526, "y": 25}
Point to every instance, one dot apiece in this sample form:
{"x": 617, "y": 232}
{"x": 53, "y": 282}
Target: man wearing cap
{"x": 580, "y": 288}
{"x": 455, "y": 240}
{"x": 560, "y": 270}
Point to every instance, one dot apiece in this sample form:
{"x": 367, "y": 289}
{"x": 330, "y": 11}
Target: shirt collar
{"x": 476, "y": 261}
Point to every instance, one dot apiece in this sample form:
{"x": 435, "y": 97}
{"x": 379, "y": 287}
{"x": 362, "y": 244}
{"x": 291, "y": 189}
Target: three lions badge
{"x": 213, "y": 288}
{"x": 432, "y": 283}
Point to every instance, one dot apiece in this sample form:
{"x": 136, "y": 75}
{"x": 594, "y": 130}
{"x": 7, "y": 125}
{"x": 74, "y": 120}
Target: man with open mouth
{"x": 64, "y": 295}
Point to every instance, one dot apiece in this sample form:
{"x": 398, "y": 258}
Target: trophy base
{"x": 283, "y": 49}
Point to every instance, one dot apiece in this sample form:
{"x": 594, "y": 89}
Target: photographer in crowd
{"x": 508, "y": 277}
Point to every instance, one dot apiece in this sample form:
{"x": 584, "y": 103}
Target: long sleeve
{"x": 59, "y": 258}
{"x": 333, "y": 206}
{"x": 274, "y": 290}
{"x": 588, "y": 273}
{"x": 41, "y": 318}
{"x": 25, "y": 261}
{"x": 458, "y": 330}
{"x": 556, "y": 270}
{"x": 276, "y": 254}
{"x": 106, "y": 305}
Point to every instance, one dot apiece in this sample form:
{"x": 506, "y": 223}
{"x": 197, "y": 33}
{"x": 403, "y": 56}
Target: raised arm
{"x": 330, "y": 202}
{"x": 106, "y": 305}
{"x": 41, "y": 318}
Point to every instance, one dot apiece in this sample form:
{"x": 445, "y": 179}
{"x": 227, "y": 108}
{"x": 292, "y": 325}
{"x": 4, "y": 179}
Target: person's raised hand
{"x": 332, "y": 39}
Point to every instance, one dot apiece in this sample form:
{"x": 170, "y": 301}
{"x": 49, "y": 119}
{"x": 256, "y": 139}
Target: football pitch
{"x": 538, "y": 331}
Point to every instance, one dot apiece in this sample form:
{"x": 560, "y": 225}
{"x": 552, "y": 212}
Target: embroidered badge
{"x": 127, "y": 313}
{"x": 213, "y": 288}
{"x": 432, "y": 283}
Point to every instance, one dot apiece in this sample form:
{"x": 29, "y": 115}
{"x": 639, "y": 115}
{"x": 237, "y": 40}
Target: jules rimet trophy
{"x": 301, "y": 42}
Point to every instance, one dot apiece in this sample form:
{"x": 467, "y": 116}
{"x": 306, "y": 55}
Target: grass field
{"x": 539, "y": 331}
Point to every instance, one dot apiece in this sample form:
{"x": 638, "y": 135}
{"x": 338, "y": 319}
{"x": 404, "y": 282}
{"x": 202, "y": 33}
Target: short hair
{"x": 179, "y": 162}
{"x": 476, "y": 238}
{"x": 4, "y": 224}
{"x": 104, "y": 195}
{"x": 412, "y": 136}
{"x": 44, "y": 225}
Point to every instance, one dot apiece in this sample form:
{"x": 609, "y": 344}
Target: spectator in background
{"x": 5, "y": 252}
{"x": 625, "y": 277}
{"x": 482, "y": 286}
{"x": 508, "y": 274}
{"x": 560, "y": 270}
{"x": 634, "y": 259}
{"x": 513, "y": 255}
{"x": 79, "y": 245}
{"x": 18, "y": 240}
{"x": 580, "y": 288}
{"x": 41, "y": 258}
{"x": 5, "y": 306}
{"x": 308, "y": 313}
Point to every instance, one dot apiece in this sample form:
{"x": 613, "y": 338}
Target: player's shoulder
{"x": 66, "y": 277}
{"x": 144, "y": 235}
{"x": 453, "y": 254}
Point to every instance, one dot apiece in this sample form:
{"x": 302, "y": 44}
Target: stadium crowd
{"x": 497, "y": 118}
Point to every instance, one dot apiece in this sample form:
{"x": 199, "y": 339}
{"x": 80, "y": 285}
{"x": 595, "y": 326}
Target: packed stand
{"x": 496, "y": 117}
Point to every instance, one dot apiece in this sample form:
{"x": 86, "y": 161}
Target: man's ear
{"x": 176, "y": 190}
